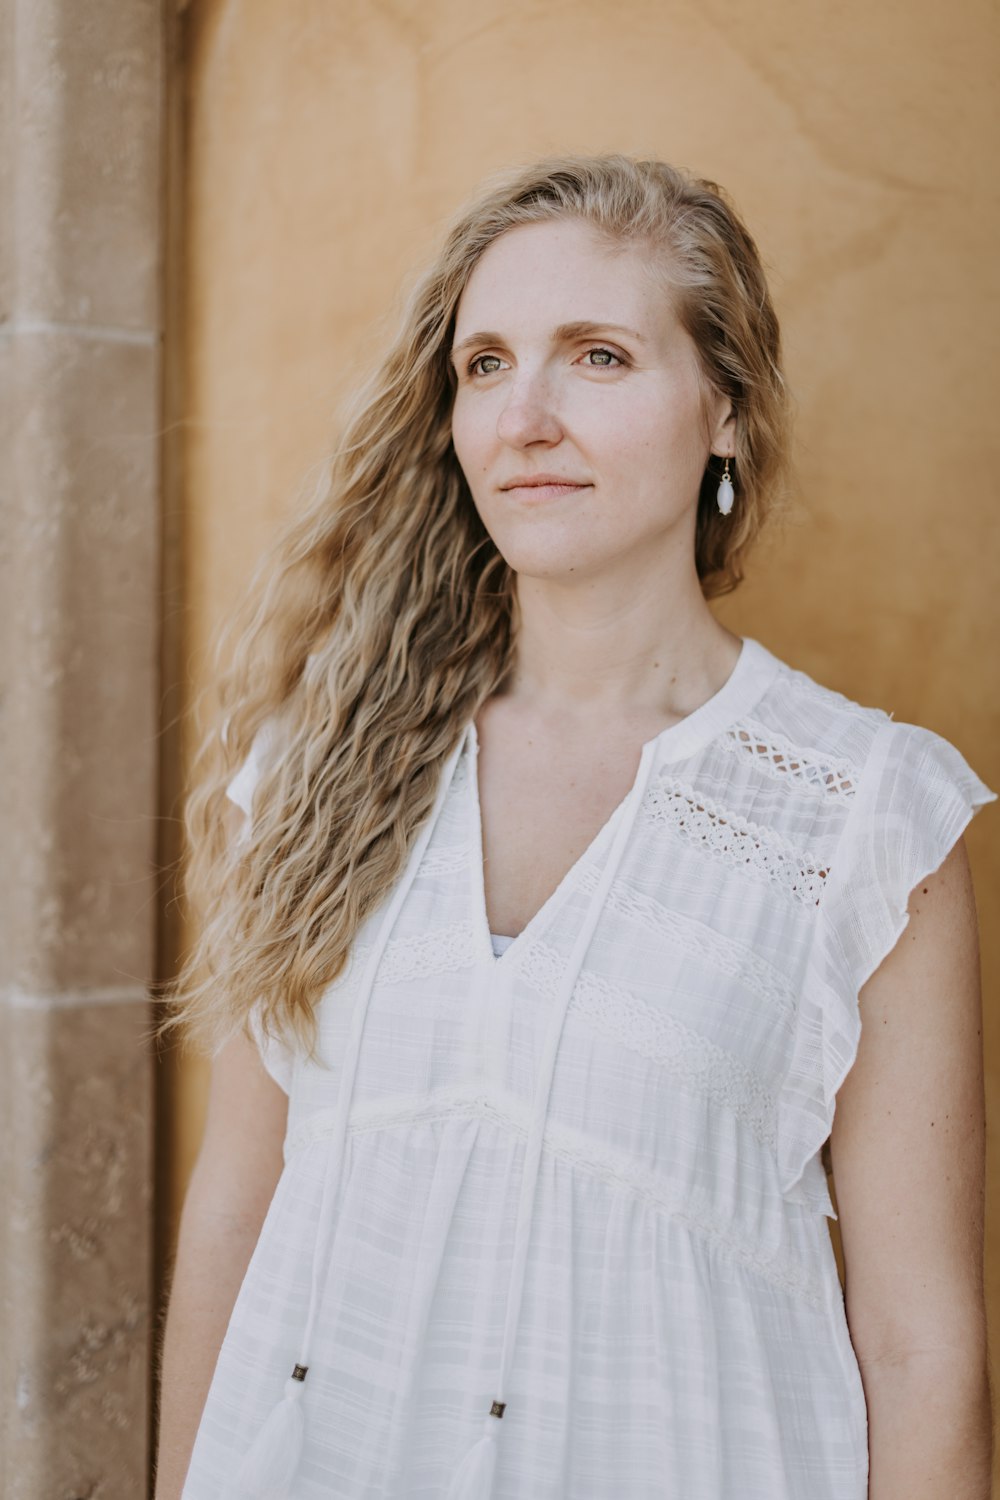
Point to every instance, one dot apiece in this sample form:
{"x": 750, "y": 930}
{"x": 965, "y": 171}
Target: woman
{"x": 562, "y": 919}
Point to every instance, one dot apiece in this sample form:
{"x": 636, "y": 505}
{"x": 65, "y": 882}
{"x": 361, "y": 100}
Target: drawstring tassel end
{"x": 269, "y": 1466}
{"x": 473, "y": 1479}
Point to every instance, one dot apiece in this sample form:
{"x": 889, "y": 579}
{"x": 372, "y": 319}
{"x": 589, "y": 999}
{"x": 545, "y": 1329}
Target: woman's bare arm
{"x": 230, "y": 1192}
{"x": 908, "y": 1149}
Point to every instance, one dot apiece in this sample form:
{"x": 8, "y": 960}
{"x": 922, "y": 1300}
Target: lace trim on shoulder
{"x": 662, "y": 1039}
{"x": 739, "y": 842}
{"x": 790, "y": 763}
{"x": 700, "y": 941}
{"x": 573, "y": 1147}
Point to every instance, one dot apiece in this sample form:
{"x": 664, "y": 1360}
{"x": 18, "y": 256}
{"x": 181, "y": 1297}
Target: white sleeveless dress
{"x": 553, "y": 1223}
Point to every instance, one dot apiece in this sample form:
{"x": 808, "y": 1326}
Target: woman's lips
{"x": 544, "y": 491}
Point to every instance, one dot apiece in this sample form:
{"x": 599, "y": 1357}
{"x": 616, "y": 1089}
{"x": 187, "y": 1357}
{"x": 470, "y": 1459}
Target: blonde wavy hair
{"x": 384, "y": 616}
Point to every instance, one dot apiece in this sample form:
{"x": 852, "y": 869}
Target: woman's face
{"x": 579, "y": 418}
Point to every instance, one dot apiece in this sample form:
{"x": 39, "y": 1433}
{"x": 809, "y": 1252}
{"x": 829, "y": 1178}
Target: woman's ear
{"x": 724, "y": 429}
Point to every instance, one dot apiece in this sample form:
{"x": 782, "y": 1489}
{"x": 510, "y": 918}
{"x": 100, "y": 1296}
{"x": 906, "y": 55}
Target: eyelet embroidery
{"x": 739, "y": 842}
{"x": 443, "y": 950}
{"x": 786, "y": 762}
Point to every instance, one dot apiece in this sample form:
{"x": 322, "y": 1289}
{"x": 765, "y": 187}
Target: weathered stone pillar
{"x": 80, "y": 195}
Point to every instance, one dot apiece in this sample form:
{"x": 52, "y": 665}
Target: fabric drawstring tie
{"x": 473, "y": 1479}
{"x": 269, "y": 1467}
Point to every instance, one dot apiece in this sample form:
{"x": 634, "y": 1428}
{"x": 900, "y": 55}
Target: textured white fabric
{"x": 682, "y": 1328}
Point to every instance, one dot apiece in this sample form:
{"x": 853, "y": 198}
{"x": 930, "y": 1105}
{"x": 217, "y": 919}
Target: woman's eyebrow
{"x": 564, "y": 334}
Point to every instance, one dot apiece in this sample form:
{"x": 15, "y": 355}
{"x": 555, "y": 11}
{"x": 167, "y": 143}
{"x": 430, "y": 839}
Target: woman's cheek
{"x": 470, "y": 433}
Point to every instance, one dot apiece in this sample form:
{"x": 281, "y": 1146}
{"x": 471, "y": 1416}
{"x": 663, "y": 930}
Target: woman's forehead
{"x": 558, "y": 273}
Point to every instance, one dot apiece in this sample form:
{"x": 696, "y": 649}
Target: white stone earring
{"x": 726, "y": 492}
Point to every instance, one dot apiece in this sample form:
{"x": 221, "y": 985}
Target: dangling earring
{"x": 726, "y": 492}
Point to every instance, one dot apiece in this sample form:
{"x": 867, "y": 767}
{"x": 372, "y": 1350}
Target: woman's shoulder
{"x": 846, "y": 742}
{"x": 810, "y": 702}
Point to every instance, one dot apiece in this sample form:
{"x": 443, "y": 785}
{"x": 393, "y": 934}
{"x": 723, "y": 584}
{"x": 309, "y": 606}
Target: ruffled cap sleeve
{"x": 917, "y": 794}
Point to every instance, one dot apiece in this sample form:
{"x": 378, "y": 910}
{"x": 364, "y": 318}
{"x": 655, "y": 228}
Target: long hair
{"x": 384, "y": 615}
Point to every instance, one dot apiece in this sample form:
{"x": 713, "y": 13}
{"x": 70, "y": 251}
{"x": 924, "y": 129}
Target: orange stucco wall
{"x": 326, "y": 143}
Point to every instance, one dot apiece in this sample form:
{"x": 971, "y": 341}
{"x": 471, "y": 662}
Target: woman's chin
{"x": 550, "y": 562}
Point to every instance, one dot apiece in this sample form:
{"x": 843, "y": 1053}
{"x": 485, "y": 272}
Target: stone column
{"x": 80, "y": 206}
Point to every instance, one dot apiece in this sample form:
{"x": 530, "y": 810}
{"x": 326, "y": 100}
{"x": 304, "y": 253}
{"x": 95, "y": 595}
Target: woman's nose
{"x": 528, "y": 414}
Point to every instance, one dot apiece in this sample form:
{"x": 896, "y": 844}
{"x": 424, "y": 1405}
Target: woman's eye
{"x": 603, "y": 357}
{"x": 478, "y": 365}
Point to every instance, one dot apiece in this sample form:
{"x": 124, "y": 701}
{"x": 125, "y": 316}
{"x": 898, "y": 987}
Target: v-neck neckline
{"x": 755, "y": 668}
